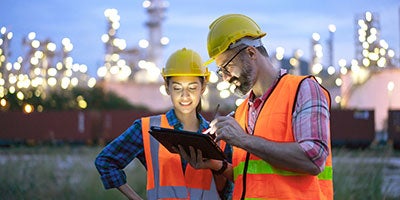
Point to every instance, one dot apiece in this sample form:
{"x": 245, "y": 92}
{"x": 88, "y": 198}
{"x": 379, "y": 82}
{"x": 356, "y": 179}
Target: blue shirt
{"x": 129, "y": 145}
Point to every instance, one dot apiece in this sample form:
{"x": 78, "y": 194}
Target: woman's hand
{"x": 195, "y": 158}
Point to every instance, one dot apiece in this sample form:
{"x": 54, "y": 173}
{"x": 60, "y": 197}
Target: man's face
{"x": 237, "y": 70}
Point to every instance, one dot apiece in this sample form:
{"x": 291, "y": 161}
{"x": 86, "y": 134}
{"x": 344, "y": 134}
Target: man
{"x": 280, "y": 133}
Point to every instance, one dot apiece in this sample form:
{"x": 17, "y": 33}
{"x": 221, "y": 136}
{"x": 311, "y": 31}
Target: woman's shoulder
{"x": 204, "y": 124}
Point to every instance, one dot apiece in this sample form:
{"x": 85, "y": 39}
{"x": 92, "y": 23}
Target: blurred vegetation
{"x": 360, "y": 174}
{"x": 60, "y": 100}
{"x": 68, "y": 172}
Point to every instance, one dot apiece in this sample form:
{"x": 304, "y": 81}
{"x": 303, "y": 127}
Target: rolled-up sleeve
{"x": 111, "y": 161}
{"x": 311, "y": 122}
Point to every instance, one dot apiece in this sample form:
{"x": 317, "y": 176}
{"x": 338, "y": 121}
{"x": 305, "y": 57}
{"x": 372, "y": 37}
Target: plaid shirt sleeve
{"x": 118, "y": 154}
{"x": 311, "y": 122}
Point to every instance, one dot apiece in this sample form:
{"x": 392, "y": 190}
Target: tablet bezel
{"x": 171, "y": 137}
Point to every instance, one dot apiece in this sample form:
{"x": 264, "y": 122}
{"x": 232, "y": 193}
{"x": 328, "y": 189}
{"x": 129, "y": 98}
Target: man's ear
{"x": 251, "y": 51}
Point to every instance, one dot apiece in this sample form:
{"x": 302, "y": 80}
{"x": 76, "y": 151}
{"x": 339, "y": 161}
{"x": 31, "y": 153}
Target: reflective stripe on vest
{"x": 262, "y": 167}
{"x": 171, "y": 183}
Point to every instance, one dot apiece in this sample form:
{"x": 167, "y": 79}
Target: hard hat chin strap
{"x": 247, "y": 41}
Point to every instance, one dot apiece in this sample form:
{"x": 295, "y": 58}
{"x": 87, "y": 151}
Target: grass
{"x": 58, "y": 173}
{"x": 69, "y": 173}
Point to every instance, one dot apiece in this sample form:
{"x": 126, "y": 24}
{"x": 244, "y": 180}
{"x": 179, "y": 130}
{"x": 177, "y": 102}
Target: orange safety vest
{"x": 274, "y": 123}
{"x": 165, "y": 176}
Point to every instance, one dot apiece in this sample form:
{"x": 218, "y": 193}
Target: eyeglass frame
{"x": 222, "y": 70}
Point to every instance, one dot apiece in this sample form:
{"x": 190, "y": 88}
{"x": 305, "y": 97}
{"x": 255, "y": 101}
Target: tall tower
{"x": 316, "y": 55}
{"x": 332, "y": 30}
{"x": 156, "y": 13}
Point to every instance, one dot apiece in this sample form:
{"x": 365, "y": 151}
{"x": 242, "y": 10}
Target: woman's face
{"x": 185, "y": 92}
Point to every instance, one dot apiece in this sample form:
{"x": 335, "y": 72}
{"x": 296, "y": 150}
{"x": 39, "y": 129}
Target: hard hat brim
{"x": 211, "y": 60}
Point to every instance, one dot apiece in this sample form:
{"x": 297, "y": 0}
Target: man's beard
{"x": 245, "y": 80}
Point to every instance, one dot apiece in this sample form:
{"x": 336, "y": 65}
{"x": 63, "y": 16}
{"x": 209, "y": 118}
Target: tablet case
{"x": 171, "y": 137}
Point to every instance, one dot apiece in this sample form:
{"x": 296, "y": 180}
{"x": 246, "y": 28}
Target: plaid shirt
{"x": 129, "y": 145}
{"x": 310, "y": 119}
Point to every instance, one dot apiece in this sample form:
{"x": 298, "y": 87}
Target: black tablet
{"x": 171, "y": 137}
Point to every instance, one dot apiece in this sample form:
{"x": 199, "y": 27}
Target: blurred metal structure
{"x": 42, "y": 68}
{"x": 371, "y": 50}
{"x": 142, "y": 63}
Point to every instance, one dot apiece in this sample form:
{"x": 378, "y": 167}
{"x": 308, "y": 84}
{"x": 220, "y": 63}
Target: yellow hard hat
{"x": 185, "y": 62}
{"x": 227, "y": 30}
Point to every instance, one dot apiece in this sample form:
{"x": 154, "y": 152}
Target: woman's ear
{"x": 166, "y": 88}
{"x": 203, "y": 87}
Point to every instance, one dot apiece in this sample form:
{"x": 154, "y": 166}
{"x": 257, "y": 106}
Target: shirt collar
{"x": 174, "y": 122}
{"x": 265, "y": 95}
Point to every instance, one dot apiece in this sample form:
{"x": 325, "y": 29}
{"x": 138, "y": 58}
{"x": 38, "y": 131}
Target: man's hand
{"x": 226, "y": 128}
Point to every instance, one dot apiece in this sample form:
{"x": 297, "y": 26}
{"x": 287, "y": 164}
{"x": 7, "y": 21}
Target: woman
{"x": 168, "y": 176}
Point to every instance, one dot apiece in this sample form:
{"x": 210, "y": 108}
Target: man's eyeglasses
{"x": 222, "y": 70}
